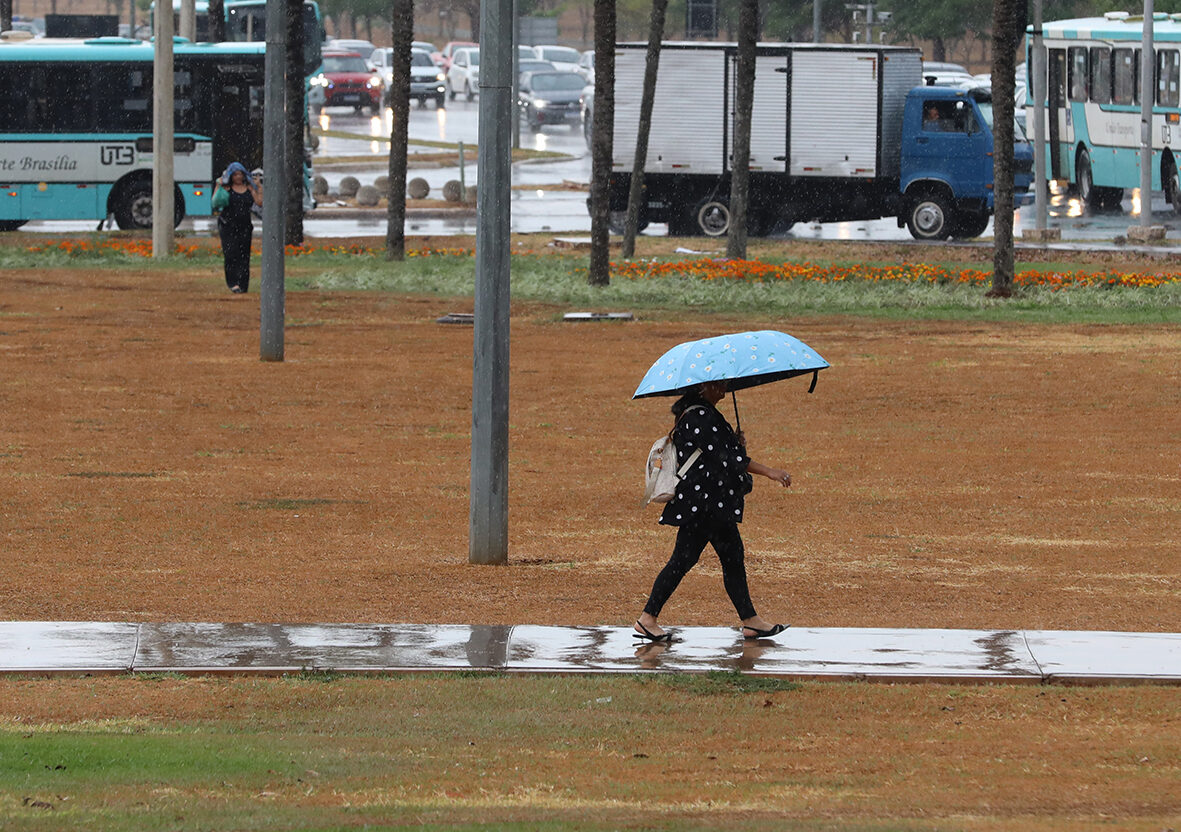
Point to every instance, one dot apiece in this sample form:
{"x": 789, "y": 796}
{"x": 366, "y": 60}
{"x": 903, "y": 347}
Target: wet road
{"x": 538, "y": 209}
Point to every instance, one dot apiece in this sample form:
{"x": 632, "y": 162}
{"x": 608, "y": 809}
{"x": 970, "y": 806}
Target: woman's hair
{"x": 693, "y": 397}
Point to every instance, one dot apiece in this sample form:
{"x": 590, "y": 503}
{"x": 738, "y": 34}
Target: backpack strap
{"x": 684, "y": 469}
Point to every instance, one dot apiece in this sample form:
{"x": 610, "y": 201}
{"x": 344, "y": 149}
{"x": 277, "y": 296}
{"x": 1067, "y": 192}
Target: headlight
{"x": 440, "y": 77}
{"x": 539, "y": 104}
{"x": 319, "y": 81}
{"x": 374, "y": 83}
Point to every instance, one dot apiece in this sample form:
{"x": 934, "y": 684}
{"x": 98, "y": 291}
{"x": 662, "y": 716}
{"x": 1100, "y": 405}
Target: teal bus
{"x": 245, "y": 22}
{"x": 76, "y": 126}
{"x": 1093, "y": 106}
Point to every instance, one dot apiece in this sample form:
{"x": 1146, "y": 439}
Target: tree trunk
{"x": 297, "y": 108}
{"x": 401, "y": 33}
{"x": 602, "y": 139}
{"x": 938, "y": 50}
{"x": 635, "y": 193}
{"x": 1006, "y": 35}
{"x": 5, "y": 15}
{"x": 744, "y": 94}
{"x": 217, "y": 20}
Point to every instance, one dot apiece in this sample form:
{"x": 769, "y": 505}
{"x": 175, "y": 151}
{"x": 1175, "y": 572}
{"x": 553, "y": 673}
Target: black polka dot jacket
{"x": 715, "y": 486}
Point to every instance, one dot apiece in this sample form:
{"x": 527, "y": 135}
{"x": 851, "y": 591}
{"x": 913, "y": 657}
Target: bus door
{"x": 1058, "y": 136}
{"x": 237, "y": 115}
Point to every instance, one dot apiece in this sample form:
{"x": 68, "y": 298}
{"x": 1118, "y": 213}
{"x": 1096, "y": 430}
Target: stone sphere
{"x": 418, "y": 188}
{"x": 319, "y": 185}
{"x": 382, "y": 183}
{"x": 349, "y": 186}
{"x": 452, "y": 190}
{"x": 368, "y": 195}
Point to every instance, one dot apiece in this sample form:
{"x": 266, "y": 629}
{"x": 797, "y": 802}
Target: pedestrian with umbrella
{"x": 709, "y": 499}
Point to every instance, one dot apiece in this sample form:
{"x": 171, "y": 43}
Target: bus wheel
{"x": 134, "y": 208}
{"x": 929, "y": 217}
{"x": 1086, "y": 185}
{"x": 1172, "y": 181}
{"x": 713, "y": 218}
{"x": 11, "y": 225}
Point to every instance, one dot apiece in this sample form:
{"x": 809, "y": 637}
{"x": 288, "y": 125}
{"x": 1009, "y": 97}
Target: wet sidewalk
{"x": 1032, "y": 656}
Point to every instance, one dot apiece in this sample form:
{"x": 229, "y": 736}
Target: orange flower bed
{"x": 754, "y": 271}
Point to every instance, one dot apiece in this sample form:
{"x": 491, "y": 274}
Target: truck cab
{"x": 947, "y": 162}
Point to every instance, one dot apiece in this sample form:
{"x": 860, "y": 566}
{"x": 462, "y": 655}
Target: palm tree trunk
{"x": 744, "y": 94}
{"x": 635, "y": 192}
{"x": 401, "y": 33}
{"x": 297, "y": 110}
{"x": 602, "y": 140}
{"x": 1005, "y": 34}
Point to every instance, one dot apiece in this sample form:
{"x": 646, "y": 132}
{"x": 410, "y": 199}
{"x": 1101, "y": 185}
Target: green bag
{"x": 221, "y": 199}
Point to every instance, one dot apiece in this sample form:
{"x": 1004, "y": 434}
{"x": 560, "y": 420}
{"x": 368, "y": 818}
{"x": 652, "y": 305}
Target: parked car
{"x": 447, "y": 53}
{"x": 535, "y": 65}
{"x": 551, "y": 98}
{"x": 426, "y": 79}
{"x": 346, "y": 80}
{"x": 425, "y": 46}
{"x": 464, "y": 74}
{"x": 588, "y": 111}
{"x": 362, "y": 47}
{"x": 527, "y": 53}
{"x": 562, "y": 57}
{"x": 586, "y": 65}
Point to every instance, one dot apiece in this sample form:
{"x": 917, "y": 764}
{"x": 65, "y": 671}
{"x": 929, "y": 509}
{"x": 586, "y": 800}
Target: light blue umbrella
{"x": 743, "y": 359}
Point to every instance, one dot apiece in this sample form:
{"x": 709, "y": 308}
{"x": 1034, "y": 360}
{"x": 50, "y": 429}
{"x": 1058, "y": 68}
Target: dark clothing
{"x": 707, "y": 507}
{"x": 236, "y": 229}
{"x": 718, "y": 481}
{"x": 691, "y": 539}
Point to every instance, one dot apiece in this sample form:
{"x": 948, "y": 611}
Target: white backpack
{"x": 661, "y": 474}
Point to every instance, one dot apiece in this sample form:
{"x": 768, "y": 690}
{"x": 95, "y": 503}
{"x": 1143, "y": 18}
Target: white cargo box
{"x": 819, "y": 110}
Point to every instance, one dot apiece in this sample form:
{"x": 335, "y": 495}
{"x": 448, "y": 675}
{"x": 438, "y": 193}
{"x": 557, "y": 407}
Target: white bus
{"x": 1093, "y": 106}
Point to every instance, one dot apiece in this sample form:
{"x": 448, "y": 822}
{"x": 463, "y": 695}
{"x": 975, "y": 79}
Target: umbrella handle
{"x": 737, "y": 421}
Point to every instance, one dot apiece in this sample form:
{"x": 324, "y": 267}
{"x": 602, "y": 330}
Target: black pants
{"x": 723, "y": 535}
{"x": 235, "y": 247}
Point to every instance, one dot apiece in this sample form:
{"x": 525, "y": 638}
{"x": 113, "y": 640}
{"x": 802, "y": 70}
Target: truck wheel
{"x": 11, "y": 225}
{"x": 450, "y": 90}
{"x": 930, "y": 218}
{"x": 713, "y": 218}
{"x": 467, "y": 91}
{"x": 971, "y": 224}
{"x": 617, "y": 223}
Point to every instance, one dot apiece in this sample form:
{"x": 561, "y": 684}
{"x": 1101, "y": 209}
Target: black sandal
{"x": 774, "y": 631}
{"x": 648, "y": 635}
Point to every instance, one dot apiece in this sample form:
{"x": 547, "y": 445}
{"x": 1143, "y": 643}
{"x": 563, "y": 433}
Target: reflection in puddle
{"x": 325, "y": 120}
{"x": 1135, "y": 212}
{"x": 441, "y": 118}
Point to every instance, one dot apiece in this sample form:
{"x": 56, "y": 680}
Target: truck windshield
{"x": 986, "y": 111}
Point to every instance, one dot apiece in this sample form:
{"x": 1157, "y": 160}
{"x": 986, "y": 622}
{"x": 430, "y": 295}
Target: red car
{"x": 347, "y": 81}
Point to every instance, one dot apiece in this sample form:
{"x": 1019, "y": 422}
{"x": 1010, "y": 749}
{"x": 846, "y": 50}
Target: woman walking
{"x": 707, "y": 508}
{"x": 239, "y": 193}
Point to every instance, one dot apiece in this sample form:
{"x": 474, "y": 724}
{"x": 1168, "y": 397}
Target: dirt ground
{"x": 979, "y": 475}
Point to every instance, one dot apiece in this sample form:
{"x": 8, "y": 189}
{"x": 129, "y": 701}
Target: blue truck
{"x": 838, "y": 132}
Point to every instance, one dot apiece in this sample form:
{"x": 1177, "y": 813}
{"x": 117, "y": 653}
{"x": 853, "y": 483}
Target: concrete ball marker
{"x": 452, "y": 191}
{"x": 418, "y": 188}
{"x": 368, "y": 195}
{"x": 349, "y": 186}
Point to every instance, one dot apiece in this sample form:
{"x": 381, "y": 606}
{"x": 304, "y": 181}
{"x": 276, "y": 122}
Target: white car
{"x": 586, "y": 65}
{"x": 464, "y": 74}
{"x": 426, "y": 79}
{"x": 362, "y": 47}
{"x": 563, "y": 58}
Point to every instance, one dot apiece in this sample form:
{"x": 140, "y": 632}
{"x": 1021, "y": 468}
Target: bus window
{"x": 122, "y": 98}
{"x": 1100, "y": 75}
{"x": 1123, "y": 76}
{"x": 1168, "y": 77}
{"x": 1077, "y": 68}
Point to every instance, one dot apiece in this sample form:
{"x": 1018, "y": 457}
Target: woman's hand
{"x": 777, "y": 474}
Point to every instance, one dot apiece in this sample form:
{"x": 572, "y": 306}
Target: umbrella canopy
{"x": 743, "y": 359}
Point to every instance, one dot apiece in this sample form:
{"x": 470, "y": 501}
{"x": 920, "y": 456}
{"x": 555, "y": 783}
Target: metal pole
{"x": 462, "y": 177}
{"x": 816, "y": 6}
{"x": 163, "y": 199}
{"x": 516, "y": 75}
{"x": 488, "y": 531}
{"x": 274, "y": 138}
{"x": 1147, "y": 99}
{"x": 1038, "y": 74}
{"x": 188, "y": 20}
